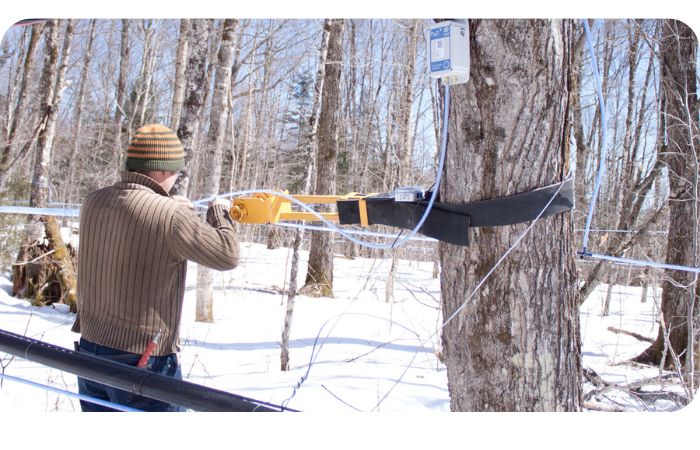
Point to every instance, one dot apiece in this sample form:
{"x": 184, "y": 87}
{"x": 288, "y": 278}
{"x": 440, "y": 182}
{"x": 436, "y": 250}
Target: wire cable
{"x": 601, "y": 169}
{"x": 642, "y": 263}
{"x": 604, "y": 136}
{"x": 397, "y": 241}
{"x": 86, "y": 398}
{"x": 471, "y": 296}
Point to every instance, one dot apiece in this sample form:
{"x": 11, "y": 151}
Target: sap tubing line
{"x": 136, "y": 381}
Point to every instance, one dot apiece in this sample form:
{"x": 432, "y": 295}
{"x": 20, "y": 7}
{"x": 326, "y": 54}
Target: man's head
{"x": 155, "y": 148}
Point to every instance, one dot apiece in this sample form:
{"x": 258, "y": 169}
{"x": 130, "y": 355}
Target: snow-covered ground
{"x": 354, "y": 352}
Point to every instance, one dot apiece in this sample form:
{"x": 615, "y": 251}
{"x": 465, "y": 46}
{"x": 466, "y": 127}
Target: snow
{"x": 365, "y": 354}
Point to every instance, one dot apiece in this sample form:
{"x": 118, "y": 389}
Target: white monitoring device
{"x": 448, "y": 47}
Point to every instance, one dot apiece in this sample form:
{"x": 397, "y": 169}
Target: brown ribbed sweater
{"x": 132, "y": 262}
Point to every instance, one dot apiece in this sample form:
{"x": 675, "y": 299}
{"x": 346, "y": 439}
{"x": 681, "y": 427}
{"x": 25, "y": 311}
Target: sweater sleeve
{"x": 213, "y": 244}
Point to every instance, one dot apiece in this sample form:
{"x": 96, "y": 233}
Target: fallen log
{"x": 631, "y": 333}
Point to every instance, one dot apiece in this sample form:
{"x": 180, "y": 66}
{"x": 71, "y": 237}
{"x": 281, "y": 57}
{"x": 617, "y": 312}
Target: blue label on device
{"x": 437, "y": 66}
{"x": 441, "y": 32}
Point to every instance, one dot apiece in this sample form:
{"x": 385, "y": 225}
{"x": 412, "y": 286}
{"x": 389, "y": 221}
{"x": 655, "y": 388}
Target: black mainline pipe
{"x": 137, "y": 381}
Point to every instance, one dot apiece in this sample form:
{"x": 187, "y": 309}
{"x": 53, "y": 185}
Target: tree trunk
{"x": 291, "y": 295}
{"x": 206, "y": 98}
{"x": 242, "y": 171}
{"x": 319, "y": 274}
{"x": 63, "y": 258}
{"x": 309, "y": 144}
{"x": 194, "y": 99}
{"x": 119, "y": 115}
{"x": 20, "y": 113}
{"x": 143, "y": 86}
{"x": 210, "y": 169}
{"x": 645, "y": 284}
{"x": 179, "y": 84}
{"x": 583, "y": 150}
{"x": 612, "y": 279}
{"x": 50, "y": 91}
{"x": 402, "y": 113}
{"x": 516, "y": 345}
{"x": 73, "y": 185}
{"x": 678, "y": 53}
{"x": 405, "y": 106}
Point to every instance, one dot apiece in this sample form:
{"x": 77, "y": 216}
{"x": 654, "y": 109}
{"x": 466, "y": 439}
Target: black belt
{"x": 450, "y": 222}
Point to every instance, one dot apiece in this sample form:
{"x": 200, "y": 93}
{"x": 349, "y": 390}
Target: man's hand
{"x": 183, "y": 201}
{"x": 220, "y": 201}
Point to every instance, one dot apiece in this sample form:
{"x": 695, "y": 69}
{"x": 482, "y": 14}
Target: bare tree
{"x": 19, "y": 112}
{"x": 78, "y": 118}
{"x": 180, "y": 64}
{"x": 678, "y": 52}
{"x": 52, "y": 84}
{"x": 515, "y": 345}
{"x": 194, "y": 98}
{"x": 402, "y": 119}
{"x": 319, "y": 274}
{"x": 119, "y": 114}
{"x": 309, "y": 145}
{"x": 141, "y": 97}
{"x": 631, "y": 180}
{"x": 209, "y": 171}
{"x": 50, "y": 91}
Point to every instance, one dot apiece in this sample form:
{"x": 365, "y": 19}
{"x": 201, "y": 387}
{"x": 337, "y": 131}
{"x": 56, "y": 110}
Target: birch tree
{"x": 6, "y": 150}
{"x": 180, "y": 65}
{"x": 515, "y": 345}
{"x": 210, "y": 168}
{"x": 194, "y": 98}
{"x": 50, "y": 90}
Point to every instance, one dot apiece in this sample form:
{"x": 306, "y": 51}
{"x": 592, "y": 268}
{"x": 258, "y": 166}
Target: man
{"x": 135, "y": 241}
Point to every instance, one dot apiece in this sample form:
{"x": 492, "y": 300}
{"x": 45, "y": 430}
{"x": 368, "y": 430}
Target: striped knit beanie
{"x": 155, "y": 147}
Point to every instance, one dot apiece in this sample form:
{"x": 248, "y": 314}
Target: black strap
{"x": 450, "y": 222}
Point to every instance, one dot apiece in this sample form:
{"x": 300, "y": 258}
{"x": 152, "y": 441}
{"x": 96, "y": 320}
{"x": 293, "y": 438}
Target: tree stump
{"x": 45, "y": 270}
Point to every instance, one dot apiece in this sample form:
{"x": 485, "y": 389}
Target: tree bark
{"x": 291, "y": 295}
{"x": 194, "y": 99}
{"x": 51, "y": 89}
{"x": 20, "y": 113}
{"x": 179, "y": 84}
{"x": 516, "y": 345}
{"x": 66, "y": 273}
{"x": 210, "y": 168}
{"x": 319, "y": 274}
{"x": 119, "y": 115}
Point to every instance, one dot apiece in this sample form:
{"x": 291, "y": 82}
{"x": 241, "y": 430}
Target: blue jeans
{"x": 164, "y": 365}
